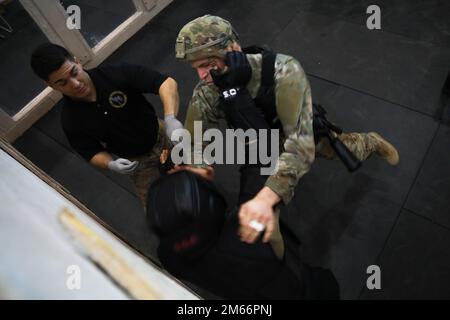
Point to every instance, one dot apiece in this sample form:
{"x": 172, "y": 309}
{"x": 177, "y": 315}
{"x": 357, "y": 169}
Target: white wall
{"x": 35, "y": 249}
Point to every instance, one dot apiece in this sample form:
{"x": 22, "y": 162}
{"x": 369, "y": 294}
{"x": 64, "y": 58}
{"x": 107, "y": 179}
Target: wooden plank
{"x": 9, "y": 149}
{"x": 32, "y": 112}
{"x": 6, "y": 123}
{"x": 108, "y": 259}
{"x": 31, "y": 209}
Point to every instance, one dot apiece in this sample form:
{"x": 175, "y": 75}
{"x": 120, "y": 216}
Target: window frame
{"x": 51, "y": 18}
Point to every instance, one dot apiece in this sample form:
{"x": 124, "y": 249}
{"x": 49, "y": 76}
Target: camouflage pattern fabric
{"x": 206, "y": 36}
{"x": 294, "y": 109}
{"x": 148, "y": 169}
{"x": 363, "y": 145}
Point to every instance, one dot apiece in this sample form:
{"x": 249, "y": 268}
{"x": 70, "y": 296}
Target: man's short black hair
{"x": 47, "y": 58}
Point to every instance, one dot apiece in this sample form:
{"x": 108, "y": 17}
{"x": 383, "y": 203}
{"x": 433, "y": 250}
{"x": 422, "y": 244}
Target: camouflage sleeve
{"x": 294, "y": 108}
{"x": 202, "y": 108}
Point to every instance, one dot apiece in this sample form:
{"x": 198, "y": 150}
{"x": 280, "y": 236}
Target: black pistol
{"x": 323, "y": 128}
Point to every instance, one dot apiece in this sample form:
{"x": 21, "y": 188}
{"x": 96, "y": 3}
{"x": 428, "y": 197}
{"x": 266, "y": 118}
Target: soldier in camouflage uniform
{"x": 204, "y": 43}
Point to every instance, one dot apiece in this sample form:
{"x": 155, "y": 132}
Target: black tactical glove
{"x": 238, "y": 105}
{"x": 236, "y": 77}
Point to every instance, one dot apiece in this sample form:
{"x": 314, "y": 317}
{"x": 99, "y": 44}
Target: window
{"x": 26, "y": 23}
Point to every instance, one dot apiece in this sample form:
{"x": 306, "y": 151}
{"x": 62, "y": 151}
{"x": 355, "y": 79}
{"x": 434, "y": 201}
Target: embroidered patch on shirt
{"x": 117, "y": 99}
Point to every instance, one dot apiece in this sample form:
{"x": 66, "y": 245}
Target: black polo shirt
{"x": 121, "y": 121}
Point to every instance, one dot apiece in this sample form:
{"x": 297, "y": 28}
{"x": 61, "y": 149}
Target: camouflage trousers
{"x": 148, "y": 169}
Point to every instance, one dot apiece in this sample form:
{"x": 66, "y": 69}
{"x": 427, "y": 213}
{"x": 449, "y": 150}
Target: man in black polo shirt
{"x": 105, "y": 116}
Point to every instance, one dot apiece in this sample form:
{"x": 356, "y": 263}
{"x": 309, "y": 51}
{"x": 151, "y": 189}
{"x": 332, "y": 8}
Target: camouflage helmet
{"x": 206, "y": 36}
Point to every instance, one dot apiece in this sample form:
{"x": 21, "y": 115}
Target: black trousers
{"x": 318, "y": 283}
{"x": 251, "y": 182}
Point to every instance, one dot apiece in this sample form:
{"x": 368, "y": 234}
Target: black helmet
{"x": 187, "y": 212}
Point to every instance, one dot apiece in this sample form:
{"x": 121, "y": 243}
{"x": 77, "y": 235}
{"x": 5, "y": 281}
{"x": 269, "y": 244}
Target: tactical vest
{"x": 265, "y": 99}
{"x": 265, "y": 103}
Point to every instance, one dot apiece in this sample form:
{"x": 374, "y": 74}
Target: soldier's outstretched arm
{"x": 294, "y": 108}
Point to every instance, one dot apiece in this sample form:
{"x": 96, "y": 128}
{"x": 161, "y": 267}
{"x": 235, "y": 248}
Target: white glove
{"x": 171, "y": 124}
{"x": 123, "y": 166}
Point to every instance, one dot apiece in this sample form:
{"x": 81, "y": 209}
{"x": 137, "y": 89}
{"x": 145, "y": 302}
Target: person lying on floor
{"x": 199, "y": 243}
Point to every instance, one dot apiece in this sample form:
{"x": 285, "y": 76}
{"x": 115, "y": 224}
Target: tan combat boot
{"x": 385, "y": 150}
